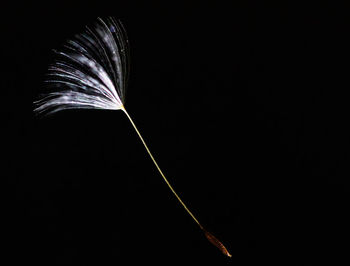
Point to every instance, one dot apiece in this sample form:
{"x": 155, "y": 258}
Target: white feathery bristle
{"x": 91, "y": 71}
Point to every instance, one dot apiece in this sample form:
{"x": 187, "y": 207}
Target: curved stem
{"x": 212, "y": 239}
{"x": 160, "y": 171}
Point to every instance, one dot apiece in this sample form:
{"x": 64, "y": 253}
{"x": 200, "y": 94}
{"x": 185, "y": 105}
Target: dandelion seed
{"x": 91, "y": 72}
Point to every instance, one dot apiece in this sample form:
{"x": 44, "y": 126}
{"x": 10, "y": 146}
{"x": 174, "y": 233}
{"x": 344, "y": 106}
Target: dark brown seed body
{"x": 212, "y": 239}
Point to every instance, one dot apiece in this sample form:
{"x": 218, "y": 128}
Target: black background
{"x": 244, "y": 106}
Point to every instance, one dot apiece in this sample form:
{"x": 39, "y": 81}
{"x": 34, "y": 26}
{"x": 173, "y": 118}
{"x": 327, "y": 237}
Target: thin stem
{"x": 212, "y": 239}
{"x": 160, "y": 171}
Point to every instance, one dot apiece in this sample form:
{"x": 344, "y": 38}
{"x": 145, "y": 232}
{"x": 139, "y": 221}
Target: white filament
{"x": 91, "y": 71}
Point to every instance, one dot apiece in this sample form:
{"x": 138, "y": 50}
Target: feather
{"x": 91, "y": 72}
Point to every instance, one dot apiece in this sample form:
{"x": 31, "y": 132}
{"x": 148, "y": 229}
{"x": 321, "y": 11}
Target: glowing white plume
{"x": 91, "y": 71}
